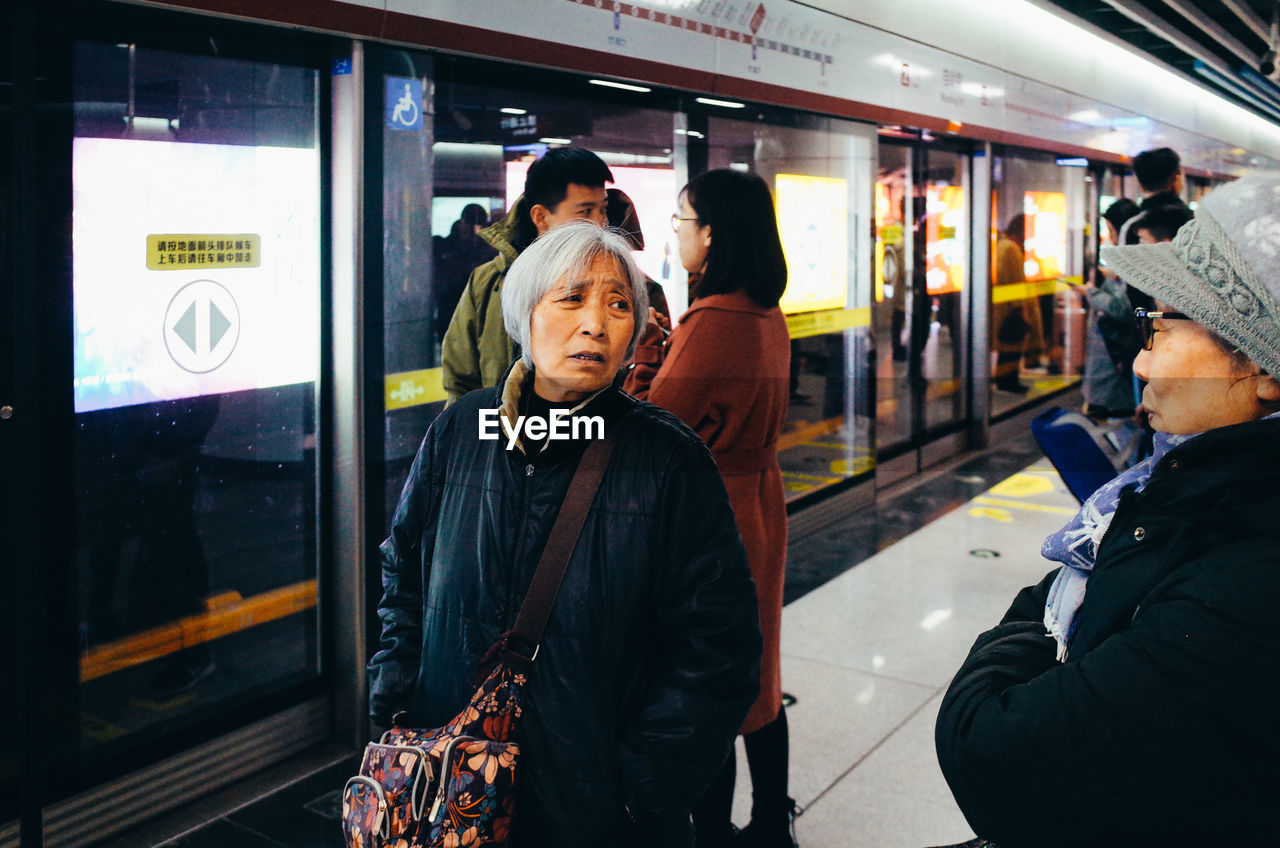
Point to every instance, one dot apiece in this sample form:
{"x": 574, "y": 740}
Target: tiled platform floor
{"x": 869, "y": 654}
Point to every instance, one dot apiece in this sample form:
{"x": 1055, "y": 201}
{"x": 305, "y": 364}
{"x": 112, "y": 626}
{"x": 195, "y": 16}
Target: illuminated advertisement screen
{"x": 1045, "y": 247}
{"x": 813, "y": 220}
{"x": 196, "y": 269}
{"x": 653, "y": 191}
{"x": 944, "y": 238}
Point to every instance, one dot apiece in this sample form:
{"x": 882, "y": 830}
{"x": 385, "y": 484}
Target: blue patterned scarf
{"x": 1076, "y": 544}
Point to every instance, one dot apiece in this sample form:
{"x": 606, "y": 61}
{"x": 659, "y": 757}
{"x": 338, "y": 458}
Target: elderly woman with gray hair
{"x": 650, "y": 658}
{"x": 1129, "y": 699}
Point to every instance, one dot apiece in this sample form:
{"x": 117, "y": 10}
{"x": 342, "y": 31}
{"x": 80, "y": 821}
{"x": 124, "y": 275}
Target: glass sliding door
{"x": 820, "y": 171}
{"x": 1038, "y": 220}
{"x": 893, "y": 294}
{"x": 939, "y": 313}
{"x": 196, "y": 264}
{"x": 922, "y": 237}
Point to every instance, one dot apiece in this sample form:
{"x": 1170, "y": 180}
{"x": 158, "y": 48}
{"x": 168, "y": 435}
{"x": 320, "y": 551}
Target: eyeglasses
{"x": 1146, "y": 323}
{"x": 676, "y": 219}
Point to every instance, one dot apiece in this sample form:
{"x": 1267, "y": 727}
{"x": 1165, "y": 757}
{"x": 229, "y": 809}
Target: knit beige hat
{"x": 1222, "y": 268}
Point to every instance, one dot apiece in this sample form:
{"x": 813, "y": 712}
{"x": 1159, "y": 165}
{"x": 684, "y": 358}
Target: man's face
{"x": 580, "y": 201}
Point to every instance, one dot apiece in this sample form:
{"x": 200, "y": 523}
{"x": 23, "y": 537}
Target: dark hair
{"x": 1163, "y": 221}
{"x": 474, "y": 215}
{"x": 1017, "y": 228}
{"x": 1155, "y": 169}
{"x": 622, "y": 215}
{"x": 1119, "y": 212}
{"x": 547, "y": 182}
{"x": 746, "y": 251}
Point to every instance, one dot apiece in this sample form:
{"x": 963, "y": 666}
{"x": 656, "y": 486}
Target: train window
{"x": 1037, "y": 249}
{"x": 820, "y": 172}
{"x": 196, "y": 305}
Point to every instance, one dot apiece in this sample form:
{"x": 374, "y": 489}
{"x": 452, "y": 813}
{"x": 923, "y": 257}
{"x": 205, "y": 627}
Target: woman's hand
{"x": 656, "y": 331}
{"x": 663, "y": 322}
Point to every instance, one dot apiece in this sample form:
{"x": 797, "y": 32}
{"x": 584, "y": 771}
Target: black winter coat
{"x": 651, "y": 655}
{"x": 1160, "y": 728}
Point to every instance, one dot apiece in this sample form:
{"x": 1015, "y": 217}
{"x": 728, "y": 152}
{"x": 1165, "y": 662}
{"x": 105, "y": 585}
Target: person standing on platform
{"x": 1128, "y": 699}
{"x": 622, "y": 215}
{"x": 566, "y": 184}
{"x": 650, "y": 656}
{"x": 1159, "y": 173}
{"x": 1161, "y": 223}
{"x": 456, "y": 256}
{"x": 1015, "y": 317}
{"x": 725, "y": 371}
{"x": 1112, "y": 342}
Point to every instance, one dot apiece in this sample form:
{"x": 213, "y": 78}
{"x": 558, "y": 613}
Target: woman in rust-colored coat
{"x": 725, "y": 372}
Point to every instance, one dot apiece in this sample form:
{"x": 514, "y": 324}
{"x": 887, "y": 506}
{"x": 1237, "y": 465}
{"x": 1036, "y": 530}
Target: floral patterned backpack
{"x": 454, "y": 786}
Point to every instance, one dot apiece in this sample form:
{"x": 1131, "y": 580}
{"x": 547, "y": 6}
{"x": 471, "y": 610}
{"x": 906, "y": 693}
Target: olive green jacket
{"x": 476, "y": 349}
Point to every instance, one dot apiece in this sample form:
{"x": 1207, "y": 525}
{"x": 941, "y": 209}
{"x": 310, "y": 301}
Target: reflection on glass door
{"x": 946, "y": 216}
{"x": 921, "y": 227}
{"x": 1037, "y": 248}
{"x": 819, "y": 172}
{"x": 196, "y": 261}
{"x": 891, "y": 316}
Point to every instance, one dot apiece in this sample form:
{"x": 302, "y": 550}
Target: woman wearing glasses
{"x": 1129, "y": 698}
{"x": 725, "y": 372}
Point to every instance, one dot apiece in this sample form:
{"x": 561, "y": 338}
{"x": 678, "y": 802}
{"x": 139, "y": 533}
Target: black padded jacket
{"x": 651, "y": 655}
{"x": 1159, "y": 729}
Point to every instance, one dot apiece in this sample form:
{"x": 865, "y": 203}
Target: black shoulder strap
{"x": 522, "y": 643}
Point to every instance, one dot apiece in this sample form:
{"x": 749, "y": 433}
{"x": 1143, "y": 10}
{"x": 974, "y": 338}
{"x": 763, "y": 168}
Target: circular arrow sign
{"x": 201, "y": 326}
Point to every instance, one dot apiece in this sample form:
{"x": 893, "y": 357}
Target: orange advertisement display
{"x": 1045, "y": 247}
{"x": 944, "y": 238}
{"x": 813, "y": 220}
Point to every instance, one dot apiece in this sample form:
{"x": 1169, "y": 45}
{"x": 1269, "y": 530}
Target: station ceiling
{"x": 1222, "y": 43}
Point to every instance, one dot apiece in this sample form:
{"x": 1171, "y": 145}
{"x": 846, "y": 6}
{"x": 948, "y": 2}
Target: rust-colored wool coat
{"x": 725, "y": 372}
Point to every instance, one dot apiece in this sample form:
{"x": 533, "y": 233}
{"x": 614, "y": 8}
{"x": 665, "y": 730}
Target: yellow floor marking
{"x": 807, "y": 432}
{"x": 99, "y": 730}
{"x": 850, "y": 467}
{"x": 1029, "y": 507}
{"x": 1022, "y": 485}
{"x": 1001, "y": 515}
{"x": 227, "y": 613}
{"x": 797, "y": 474}
{"x": 838, "y": 446}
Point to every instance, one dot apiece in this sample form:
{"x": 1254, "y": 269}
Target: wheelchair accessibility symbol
{"x": 404, "y": 103}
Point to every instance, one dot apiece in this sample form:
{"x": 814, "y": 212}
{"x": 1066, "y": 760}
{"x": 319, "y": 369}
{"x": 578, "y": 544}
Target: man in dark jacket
{"x": 1159, "y": 173}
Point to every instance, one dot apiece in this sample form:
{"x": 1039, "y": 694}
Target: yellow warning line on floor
{"x": 808, "y": 432}
{"x": 797, "y": 475}
{"x": 227, "y": 613}
{"x": 1030, "y": 507}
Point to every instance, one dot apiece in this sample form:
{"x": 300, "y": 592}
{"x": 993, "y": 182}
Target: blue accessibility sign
{"x": 404, "y": 103}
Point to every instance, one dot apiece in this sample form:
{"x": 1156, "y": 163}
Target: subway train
{"x": 235, "y": 232}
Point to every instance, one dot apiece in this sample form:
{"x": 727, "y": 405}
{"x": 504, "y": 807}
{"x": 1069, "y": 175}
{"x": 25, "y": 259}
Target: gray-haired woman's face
{"x": 580, "y": 330}
{"x": 1193, "y": 385}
